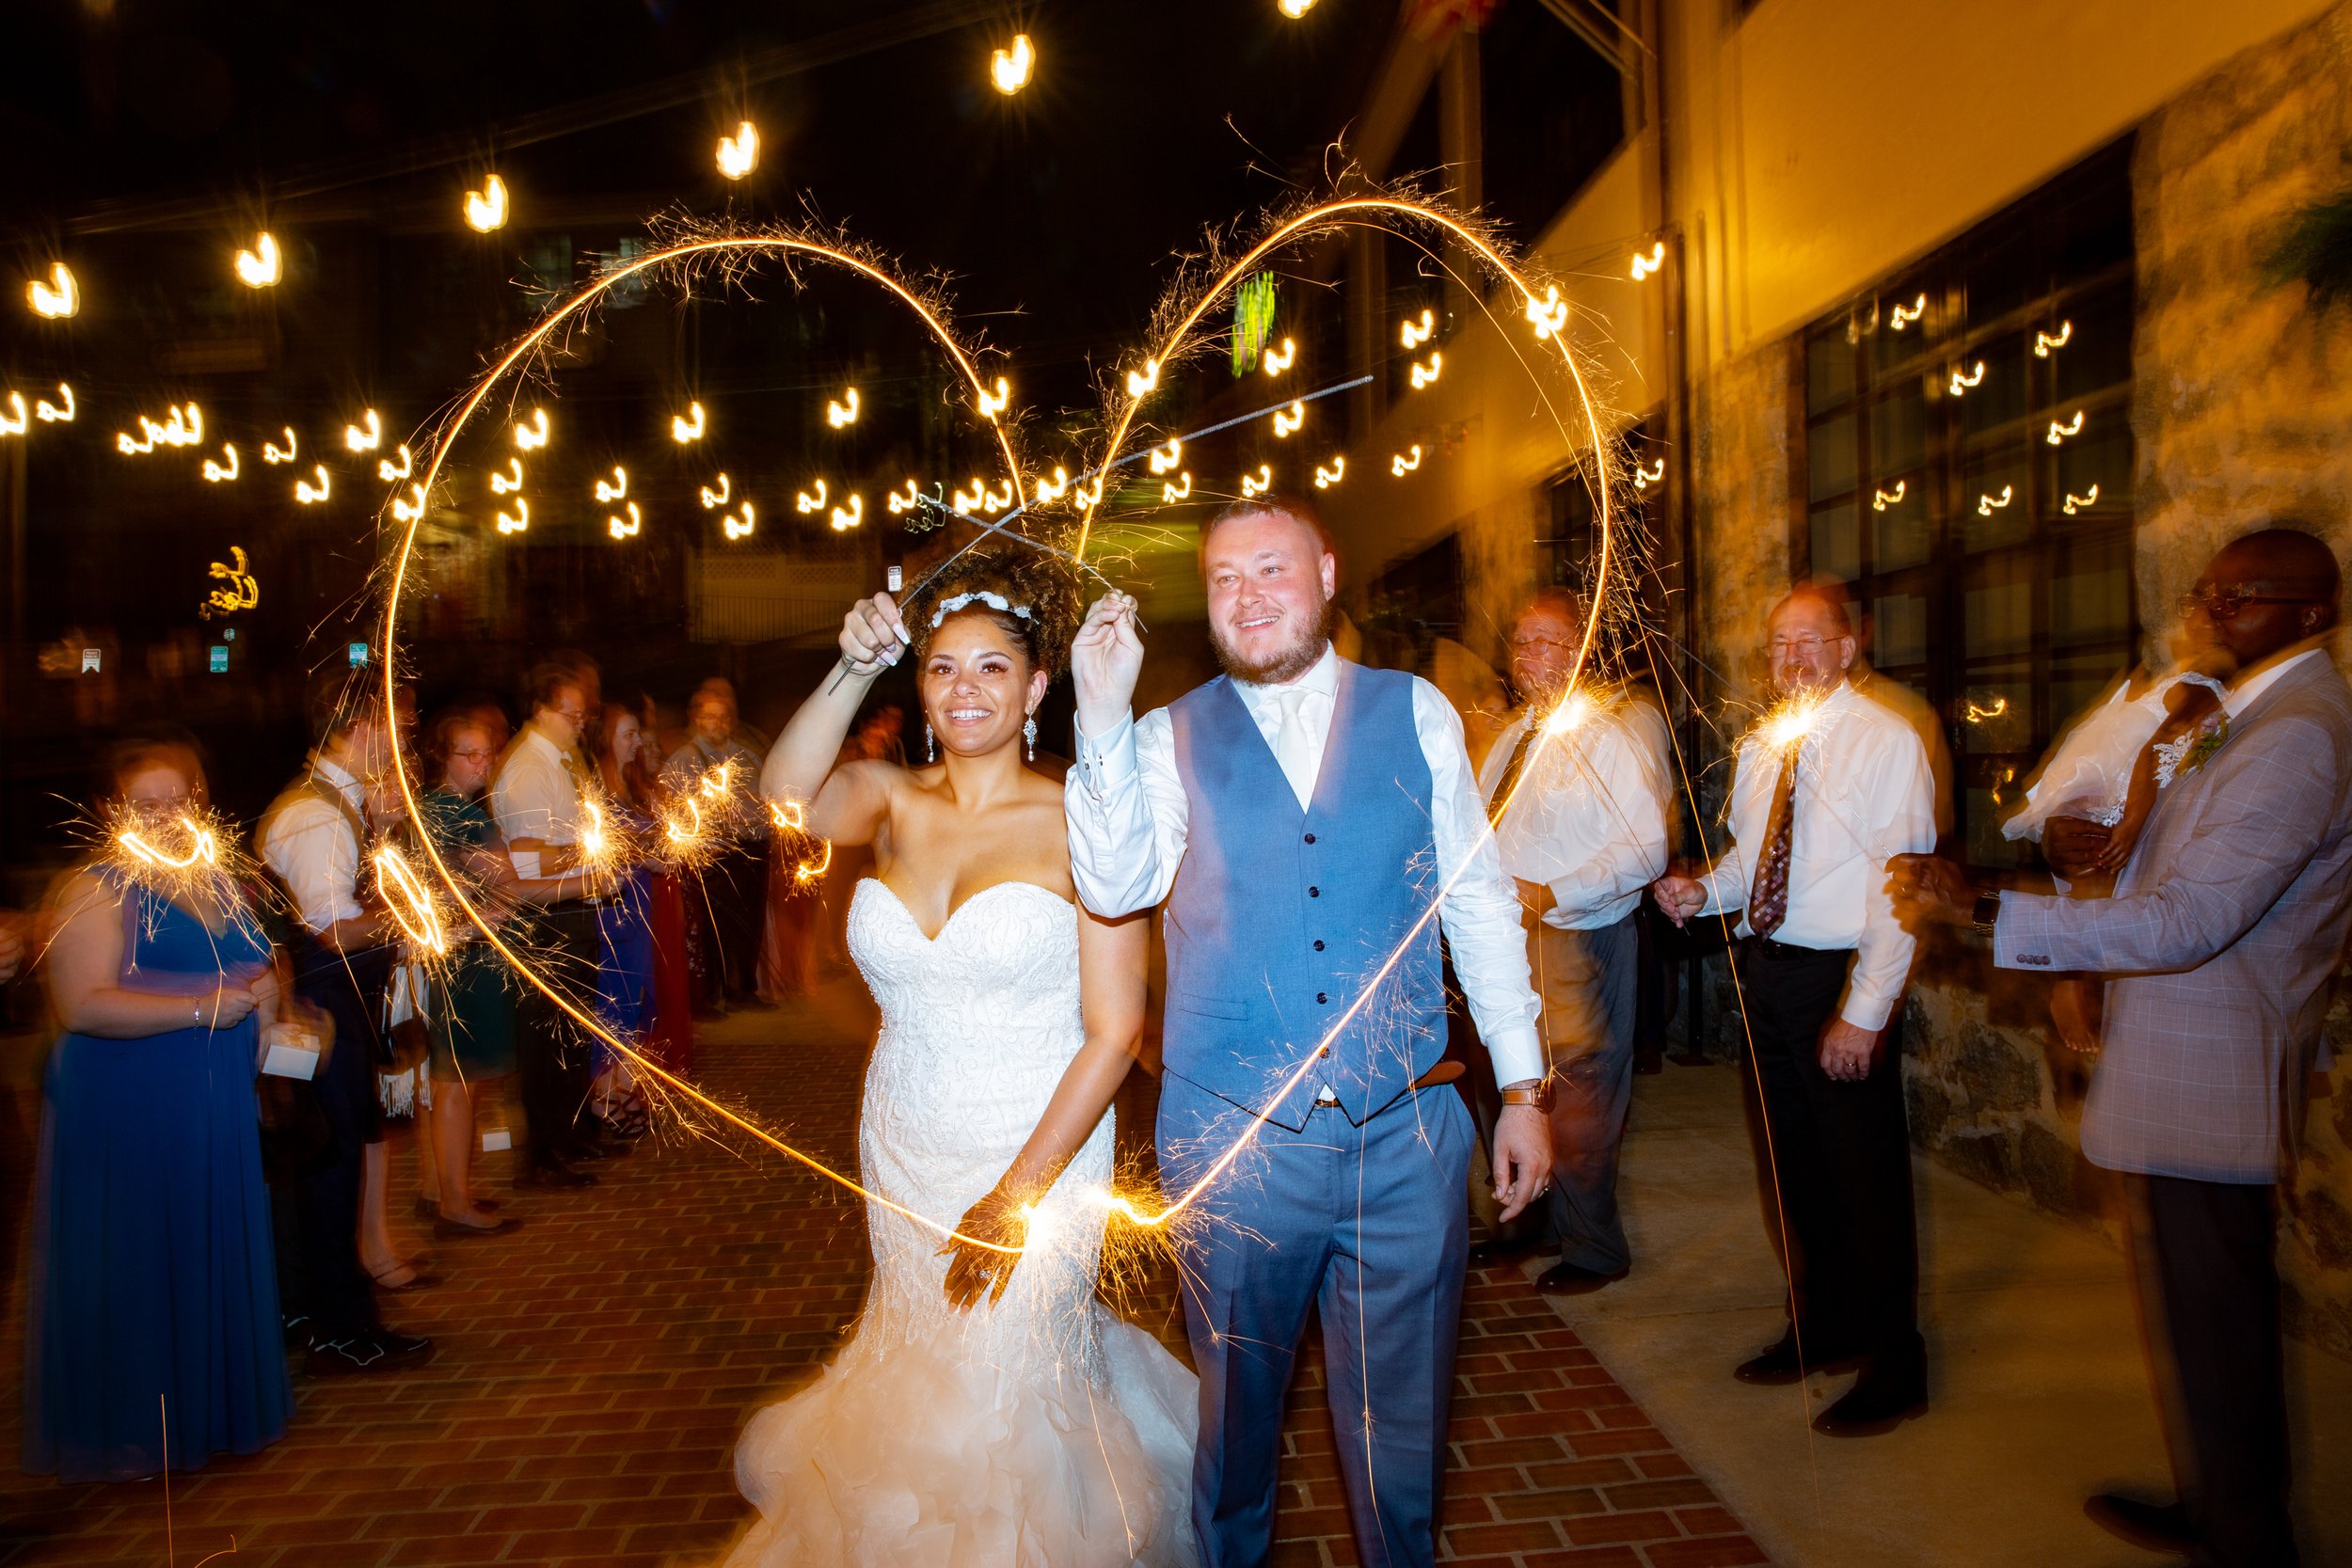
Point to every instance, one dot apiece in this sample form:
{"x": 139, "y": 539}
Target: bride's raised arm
{"x": 845, "y": 802}
{"x": 1112, "y": 955}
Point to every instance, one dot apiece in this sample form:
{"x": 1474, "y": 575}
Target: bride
{"x": 990, "y": 1410}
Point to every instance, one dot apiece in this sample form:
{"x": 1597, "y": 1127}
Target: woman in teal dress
{"x": 154, "y": 1295}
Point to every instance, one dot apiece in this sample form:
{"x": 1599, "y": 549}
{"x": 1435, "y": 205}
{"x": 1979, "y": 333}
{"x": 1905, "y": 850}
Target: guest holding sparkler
{"x": 315, "y": 838}
{"x": 153, "y": 1298}
{"x": 718, "y": 770}
{"x": 1577, "y": 787}
{"x": 1829, "y": 789}
{"x": 627, "y": 954}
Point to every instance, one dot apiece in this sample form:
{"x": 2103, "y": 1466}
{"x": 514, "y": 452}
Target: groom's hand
{"x": 1105, "y": 657}
{"x": 1522, "y": 1158}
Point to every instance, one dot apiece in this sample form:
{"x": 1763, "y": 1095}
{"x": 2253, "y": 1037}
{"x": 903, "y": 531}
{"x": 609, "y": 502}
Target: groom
{"x": 1311, "y": 824}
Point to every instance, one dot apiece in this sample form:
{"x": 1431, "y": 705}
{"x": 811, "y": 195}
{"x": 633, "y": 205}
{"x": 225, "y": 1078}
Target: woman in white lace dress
{"x": 990, "y": 1411}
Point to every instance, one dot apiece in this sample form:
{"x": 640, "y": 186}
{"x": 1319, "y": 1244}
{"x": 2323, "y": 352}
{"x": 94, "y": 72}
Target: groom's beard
{"x": 1284, "y": 666}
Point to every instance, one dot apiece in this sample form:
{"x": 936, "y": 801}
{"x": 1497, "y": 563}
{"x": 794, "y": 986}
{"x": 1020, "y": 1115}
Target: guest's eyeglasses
{"x": 1539, "y": 644}
{"x": 2223, "y": 603}
{"x": 1781, "y": 646}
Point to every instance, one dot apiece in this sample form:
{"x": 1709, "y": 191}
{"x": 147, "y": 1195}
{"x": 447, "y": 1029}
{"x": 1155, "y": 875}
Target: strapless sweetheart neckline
{"x": 933, "y": 938}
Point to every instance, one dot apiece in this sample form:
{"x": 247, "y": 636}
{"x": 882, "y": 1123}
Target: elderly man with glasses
{"x": 2223, "y": 936}
{"x": 1830, "y": 786}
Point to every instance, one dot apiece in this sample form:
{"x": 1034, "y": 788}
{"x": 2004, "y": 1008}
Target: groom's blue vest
{"x": 1281, "y": 919}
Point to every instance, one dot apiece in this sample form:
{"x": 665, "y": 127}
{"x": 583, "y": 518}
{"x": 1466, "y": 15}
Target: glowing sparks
{"x": 805, "y": 504}
{"x": 367, "y": 435}
{"x": 738, "y": 154}
{"x": 1426, "y": 375}
{"x": 1288, "y": 420}
{"x": 1649, "y": 263}
{"x": 1882, "y": 500}
{"x": 1164, "y": 459}
{"x": 391, "y": 470}
{"x": 615, "y": 489}
{"x": 1412, "y": 334}
{"x": 713, "y": 499}
{"x": 1987, "y": 505}
{"x": 309, "y": 494}
{"x": 1571, "y": 713}
{"x": 994, "y": 405}
{"x": 1010, "y": 69}
{"x": 56, "y": 298}
{"x": 1960, "y": 381}
{"x": 1143, "y": 381}
{"x": 1903, "y": 315}
{"x": 486, "y": 209}
{"x": 510, "y": 482}
{"x": 2074, "y": 503}
{"x": 1400, "y": 465}
{"x": 1276, "y": 361}
{"x": 408, "y": 901}
{"x": 690, "y": 425}
{"x": 843, "y": 414}
{"x": 274, "y": 454}
{"x": 532, "y": 434}
{"x": 908, "y": 498}
{"x": 258, "y": 268}
{"x": 1252, "y": 486}
{"x": 1788, "y": 724}
{"x": 1171, "y": 494}
{"x": 2044, "y": 342}
{"x": 59, "y": 412}
{"x": 203, "y": 847}
{"x": 243, "y": 590}
{"x": 1550, "y": 315}
{"x": 1326, "y": 478}
{"x": 844, "y": 518}
{"x": 216, "y": 473}
{"x": 629, "y": 530}
{"x": 2059, "y": 433}
{"x": 739, "y": 524}
{"x": 518, "y": 520}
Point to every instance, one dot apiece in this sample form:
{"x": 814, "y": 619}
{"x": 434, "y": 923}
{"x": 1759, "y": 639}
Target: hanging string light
{"x": 738, "y": 154}
{"x": 1010, "y": 69}
{"x": 56, "y": 298}
{"x": 260, "y": 268}
{"x": 486, "y": 209}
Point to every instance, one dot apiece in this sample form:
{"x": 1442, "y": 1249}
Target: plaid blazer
{"x": 2226, "y": 927}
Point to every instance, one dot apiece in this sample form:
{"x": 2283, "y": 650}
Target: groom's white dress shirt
{"x": 1127, "y": 826}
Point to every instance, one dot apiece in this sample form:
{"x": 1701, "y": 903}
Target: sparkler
{"x": 59, "y": 297}
{"x": 409, "y": 902}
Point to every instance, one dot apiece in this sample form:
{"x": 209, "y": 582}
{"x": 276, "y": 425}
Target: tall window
{"x": 1968, "y": 471}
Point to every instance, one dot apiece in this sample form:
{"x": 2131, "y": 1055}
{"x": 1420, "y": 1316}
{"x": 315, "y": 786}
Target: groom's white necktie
{"x": 1295, "y": 746}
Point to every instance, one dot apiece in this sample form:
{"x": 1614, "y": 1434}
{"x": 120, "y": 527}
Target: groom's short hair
{"x": 1299, "y": 508}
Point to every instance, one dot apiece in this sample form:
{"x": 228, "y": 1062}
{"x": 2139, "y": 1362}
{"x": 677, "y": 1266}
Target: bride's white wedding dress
{"x": 1042, "y": 1430}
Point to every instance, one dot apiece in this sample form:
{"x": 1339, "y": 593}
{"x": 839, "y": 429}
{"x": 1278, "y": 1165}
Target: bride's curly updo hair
{"x": 1031, "y": 596}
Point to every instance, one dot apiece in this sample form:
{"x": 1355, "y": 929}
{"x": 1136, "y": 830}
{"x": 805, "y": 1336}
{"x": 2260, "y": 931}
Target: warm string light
{"x": 1426, "y": 375}
{"x": 1650, "y": 262}
{"x": 1412, "y": 334}
{"x": 713, "y": 499}
{"x": 1647, "y": 474}
{"x": 1400, "y": 465}
{"x": 1276, "y": 360}
{"x": 2058, "y": 432}
{"x": 1903, "y": 315}
{"x": 367, "y": 435}
{"x": 629, "y": 530}
{"x": 805, "y": 504}
{"x": 1288, "y": 420}
{"x": 1549, "y": 315}
{"x": 1959, "y": 383}
{"x": 510, "y": 482}
{"x": 275, "y": 455}
{"x": 518, "y": 520}
{"x": 411, "y": 508}
{"x": 216, "y": 473}
{"x": 59, "y": 412}
{"x": 1977, "y": 715}
{"x": 486, "y": 209}
{"x": 2074, "y": 503}
{"x": 839, "y": 415}
{"x": 1010, "y": 69}
{"x": 2044, "y": 342}
{"x": 258, "y": 268}
{"x": 967, "y": 501}
{"x": 1051, "y": 489}
{"x": 243, "y": 590}
{"x": 1987, "y": 505}
{"x": 184, "y": 428}
{"x": 16, "y": 423}
{"x": 1164, "y": 459}
{"x": 908, "y": 498}
{"x": 57, "y": 297}
{"x": 1171, "y": 494}
{"x": 738, "y": 525}
{"x": 309, "y": 494}
{"x": 1295, "y": 8}
{"x": 1326, "y": 478}
{"x": 615, "y": 489}
{"x": 997, "y": 498}
{"x": 390, "y": 470}
{"x": 738, "y": 154}
{"x": 690, "y": 425}
{"x": 844, "y": 518}
{"x": 1143, "y": 381}
{"x": 1882, "y": 500}
{"x": 532, "y": 434}
{"x": 1252, "y": 486}
{"x": 992, "y": 405}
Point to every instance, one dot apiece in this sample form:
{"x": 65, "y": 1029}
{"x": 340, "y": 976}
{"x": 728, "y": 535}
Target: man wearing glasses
{"x": 1829, "y": 789}
{"x": 2224, "y": 932}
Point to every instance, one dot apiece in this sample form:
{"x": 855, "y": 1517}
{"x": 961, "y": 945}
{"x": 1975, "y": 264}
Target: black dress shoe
{"x": 2156, "y": 1526}
{"x": 1876, "y": 1404}
{"x": 1568, "y": 1279}
{"x": 1779, "y": 1363}
{"x": 552, "y": 1173}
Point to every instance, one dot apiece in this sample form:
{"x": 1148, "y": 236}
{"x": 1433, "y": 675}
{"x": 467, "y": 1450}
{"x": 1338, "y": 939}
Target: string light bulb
{"x": 59, "y": 412}
{"x": 1295, "y": 8}
{"x": 1276, "y": 360}
{"x": 615, "y": 489}
{"x": 1550, "y": 315}
{"x": 390, "y": 470}
{"x": 1903, "y": 315}
{"x": 738, "y": 154}
{"x": 309, "y": 493}
{"x": 1400, "y": 465}
{"x": 486, "y": 209}
{"x": 1055, "y": 488}
{"x": 411, "y": 508}
{"x": 739, "y": 527}
{"x": 518, "y": 520}
{"x": 1171, "y": 494}
{"x": 1647, "y": 263}
{"x": 1426, "y": 375}
{"x": 55, "y": 297}
{"x": 1326, "y": 478}
{"x": 2058, "y": 432}
{"x": 15, "y": 425}
{"x": 272, "y": 453}
{"x": 1252, "y": 486}
{"x": 532, "y": 434}
{"x": 2044, "y": 342}
{"x": 1960, "y": 381}
{"x": 690, "y": 425}
{"x": 1010, "y": 69}
{"x": 713, "y": 499}
{"x": 2075, "y": 503}
{"x": 846, "y": 519}
{"x": 509, "y": 482}
{"x": 216, "y": 473}
{"x": 1882, "y": 500}
{"x": 260, "y": 267}
{"x": 905, "y": 500}
{"x": 620, "y": 530}
{"x": 1143, "y": 381}
{"x": 805, "y": 504}
{"x": 367, "y": 435}
{"x": 992, "y": 405}
{"x": 1987, "y": 505}
{"x": 1287, "y": 420}
{"x": 1413, "y": 334}
{"x": 838, "y": 415}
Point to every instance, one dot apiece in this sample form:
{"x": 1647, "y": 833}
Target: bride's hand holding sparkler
{"x": 1105, "y": 658}
{"x": 873, "y": 635}
{"x": 974, "y": 1268}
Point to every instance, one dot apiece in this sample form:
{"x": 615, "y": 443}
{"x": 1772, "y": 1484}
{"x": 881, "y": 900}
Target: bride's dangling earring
{"x": 1028, "y": 733}
{"x": 930, "y": 743}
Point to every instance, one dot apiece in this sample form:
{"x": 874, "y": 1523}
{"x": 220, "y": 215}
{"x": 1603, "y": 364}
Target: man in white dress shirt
{"x": 1577, "y": 787}
{"x": 1829, "y": 789}
{"x": 1310, "y": 823}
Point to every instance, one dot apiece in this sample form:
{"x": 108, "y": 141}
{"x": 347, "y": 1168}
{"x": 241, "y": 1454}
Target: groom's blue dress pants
{"x": 1370, "y": 1225}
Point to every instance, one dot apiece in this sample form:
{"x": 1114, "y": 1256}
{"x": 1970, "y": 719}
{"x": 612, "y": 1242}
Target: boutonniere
{"x": 2185, "y": 755}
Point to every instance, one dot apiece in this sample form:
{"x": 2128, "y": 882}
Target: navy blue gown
{"x": 154, "y": 1288}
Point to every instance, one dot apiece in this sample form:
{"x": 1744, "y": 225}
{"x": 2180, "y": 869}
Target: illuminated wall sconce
{"x": 1961, "y": 382}
{"x": 391, "y": 469}
{"x": 57, "y": 297}
{"x": 532, "y": 434}
{"x": 1400, "y": 465}
{"x": 59, "y": 412}
{"x": 713, "y": 499}
{"x": 1276, "y": 360}
{"x": 2044, "y": 342}
{"x": 629, "y": 530}
{"x": 1550, "y": 315}
{"x": 1987, "y": 505}
{"x": 1882, "y": 500}
{"x": 1288, "y": 422}
{"x": 1426, "y": 375}
{"x": 806, "y": 503}
{"x": 309, "y": 494}
{"x": 258, "y": 268}
{"x": 1165, "y": 458}
{"x": 1172, "y": 494}
{"x": 739, "y": 155}
{"x": 2074, "y": 503}
{"x": 1413, "y": 334}
{"x": 690, "y": 425}
{"x": 840, "y": 414}
{"x": 1326, "y": 478}
{"x": 1650, "y": 262}
{"x": 518, "y": 521}
{"x": 2059, "y": 433}
{"x": 1010, "y": 69}
{"x": 486, "y": 209}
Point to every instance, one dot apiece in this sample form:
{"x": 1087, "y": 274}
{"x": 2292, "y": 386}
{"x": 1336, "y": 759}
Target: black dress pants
{"x": 1838, "y": 1154}
{"x": 734, "y": 885}
{"x": 322, "y": 1280}
{"x": 552, "y": 1053}
{"x": 2205, "y": 1269}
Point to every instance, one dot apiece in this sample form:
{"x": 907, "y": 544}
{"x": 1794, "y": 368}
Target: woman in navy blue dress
{"x": 154, "y": 1295}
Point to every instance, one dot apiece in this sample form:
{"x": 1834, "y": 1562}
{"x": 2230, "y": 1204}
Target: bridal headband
{"x": 994, "y": 601}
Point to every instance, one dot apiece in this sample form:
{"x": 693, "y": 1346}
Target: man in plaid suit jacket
{"x": 2226, "y": 926}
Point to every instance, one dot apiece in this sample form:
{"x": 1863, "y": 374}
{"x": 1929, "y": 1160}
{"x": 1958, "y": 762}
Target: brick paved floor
{"x": 595, "y": 1367}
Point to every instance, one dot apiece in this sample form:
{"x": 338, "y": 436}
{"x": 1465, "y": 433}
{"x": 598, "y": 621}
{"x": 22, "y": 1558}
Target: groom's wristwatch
{"x": 1535, "y": 1093}
{"x": 1987, "y": 913}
